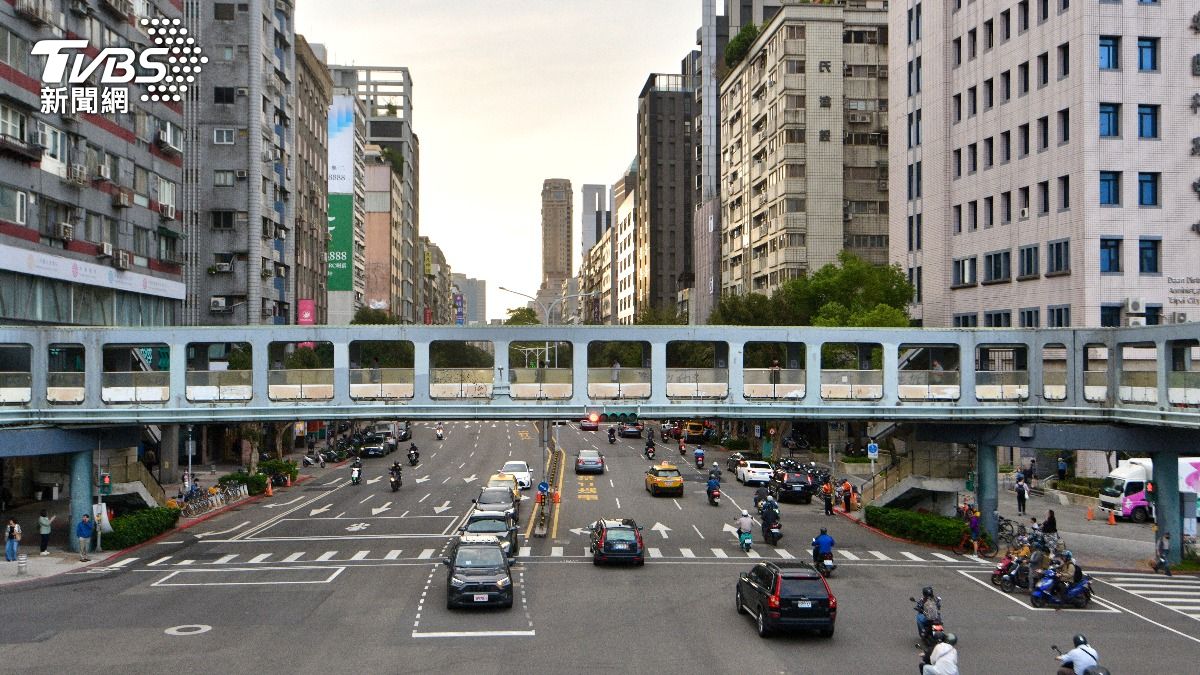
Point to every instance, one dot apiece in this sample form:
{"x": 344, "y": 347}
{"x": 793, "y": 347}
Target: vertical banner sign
{"x": 341, "y": 145}
{"x": 458, "y": 308}
{"x": 341, "y": 242}
{"x": 428, "y": 264}
{"x": 306, "y": 315}
{"x": 428, "y": 316}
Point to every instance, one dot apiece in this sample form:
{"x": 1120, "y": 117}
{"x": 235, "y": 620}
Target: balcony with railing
{"x": 540, "y": 383}
{"x": 381, "y": 384}
{"x": 619, "y": 383}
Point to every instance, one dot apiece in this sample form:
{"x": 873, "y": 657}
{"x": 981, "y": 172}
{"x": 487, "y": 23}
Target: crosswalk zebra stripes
{"x": 1187, "y": 595}
{"x": 1179, "y": 593}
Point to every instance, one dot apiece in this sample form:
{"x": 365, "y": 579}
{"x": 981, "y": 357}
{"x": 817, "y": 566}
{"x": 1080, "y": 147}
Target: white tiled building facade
{"x": 1042, "y": 161}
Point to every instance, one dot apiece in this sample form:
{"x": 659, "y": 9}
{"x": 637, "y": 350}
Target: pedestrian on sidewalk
{"x": 973, "y": 524}
{"x": 1062, "y": 468}
{"x": 827, "y": 496}
{"x": 1022, "y": 495}
{"x": 44, "y": 523}
{"x": 1050, "y": 524}
{"x": 847, "y": 494}
{"x": 1032, "y": 473}
{"x": 1161, "y": 550}
{"x": 12, "y": 539}
{"x": 84, "y": 531}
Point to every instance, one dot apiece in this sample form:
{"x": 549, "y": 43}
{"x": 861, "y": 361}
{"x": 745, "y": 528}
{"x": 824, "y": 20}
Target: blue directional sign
{"x": 543, "y": 486}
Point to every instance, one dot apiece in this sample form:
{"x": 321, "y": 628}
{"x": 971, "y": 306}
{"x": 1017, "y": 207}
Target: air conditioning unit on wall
{"x": 1135, "y": 306}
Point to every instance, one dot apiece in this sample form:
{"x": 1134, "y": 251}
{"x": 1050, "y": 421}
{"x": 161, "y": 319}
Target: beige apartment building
{"x": 1047, "y": 175}
{"x": 314, "y": 91}
{"x": 804, "y": 145}
{"x": 385, "y": 250}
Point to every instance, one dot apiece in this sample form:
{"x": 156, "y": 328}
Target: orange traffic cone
{"x": 270, "y": 492}
{"x": 289, "y": 480}
{"x": 1090, "y": 514}
{"x": 557, "y": 497}
{"x": 1112, "y": 518}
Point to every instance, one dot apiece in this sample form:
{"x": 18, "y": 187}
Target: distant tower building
{"x": 556, "y": 241}
{"x": 596, "y": 218}
{"x": 474, "y": 292}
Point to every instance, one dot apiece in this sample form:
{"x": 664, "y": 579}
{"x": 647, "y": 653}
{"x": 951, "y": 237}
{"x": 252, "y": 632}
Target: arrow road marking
{"x": 578, "y": 530}
{"x": 661, "y": 529}
{"x": 376, "y": 479}
{"x": 470, "y": 478}
{"x": 357, "y": 527}
{"x": 381, "y": 509}
{"x": 729, "y": 528}
{"x": 278, "y": 504}
{"x": 335, "y": 481}
{"x": 235, "y": 527}
{"x": 444, "y": 507}
{"x": 422, "y": 480}
{"x": 314, "y": 512}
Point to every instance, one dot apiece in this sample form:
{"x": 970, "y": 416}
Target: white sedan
{"x": 754, "y": 472}
{"x": 520, "y": 471}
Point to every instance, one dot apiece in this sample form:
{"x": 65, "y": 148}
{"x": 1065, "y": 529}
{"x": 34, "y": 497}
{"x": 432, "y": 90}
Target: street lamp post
{"x": 546, "y": 311}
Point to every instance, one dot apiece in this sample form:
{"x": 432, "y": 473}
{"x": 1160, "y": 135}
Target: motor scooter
{"x": 928, "y": 638}
{"x": 441, "y": 435}
{"x": 700, "y": 461}
{"x": 413, "y": 457}
{"x": 773, "y": 533}
{"x": 650, "y": 452}
{"x": 612, "y": 436}
{"x": 396, "y": 481}
{"x": 745, "y": 541}
{"x": 714, "y": 497}
{"x": 1018, "y": 576}
{"x": 355, "y": 475}
{"x": 1076, "y": 595}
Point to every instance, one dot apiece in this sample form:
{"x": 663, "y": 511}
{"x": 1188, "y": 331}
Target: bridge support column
{"x": 986, "y": 487}
{"x": 1166, "y": 505}
{"x": 81, "y": 493}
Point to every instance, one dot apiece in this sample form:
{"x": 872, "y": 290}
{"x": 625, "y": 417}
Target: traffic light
{"x": 105, "y": 484}
{"x": 621, "y": 417}
{"x": 593, "y": 417}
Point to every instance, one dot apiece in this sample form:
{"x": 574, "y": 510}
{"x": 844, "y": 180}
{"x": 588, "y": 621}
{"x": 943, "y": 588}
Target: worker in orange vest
{"x": 847, "y": 493}
{"x": 827, "y": 495}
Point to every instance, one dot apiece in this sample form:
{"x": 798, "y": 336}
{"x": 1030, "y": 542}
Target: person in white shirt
{"x": 943, "y": 659}
{"x": 1078, "y": 660}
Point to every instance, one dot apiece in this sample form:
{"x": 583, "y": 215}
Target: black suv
{"x": 788, "y": 486}
{"x": 479, "y": 573}
{"x": 495, "y": 523}
{"x": 616, "y": 539}
{"x": 787, "y": 594}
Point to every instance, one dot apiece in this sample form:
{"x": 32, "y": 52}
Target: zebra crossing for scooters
{"x": 526, "y": 552}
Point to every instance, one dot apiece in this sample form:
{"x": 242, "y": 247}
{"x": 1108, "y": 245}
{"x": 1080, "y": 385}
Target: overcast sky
{"x": 507, "y": 93}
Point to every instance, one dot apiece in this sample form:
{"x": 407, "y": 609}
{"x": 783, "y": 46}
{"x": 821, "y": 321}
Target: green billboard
{"x": 341, "y": 242}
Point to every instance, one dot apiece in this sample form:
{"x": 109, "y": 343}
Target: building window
{"x": 1058, "y": 316}
{"x": 224, "y": 95}
{"x": 957, "y": 218}
{"x": 1110, "y": 120}
{"x": 1023, "y": 197}
{"x": 1147, "y": 121}
{"x": 971, "y": 43}
{"x": 1148, "y": 256}
{"x": 13, "y": 205}
{"x": 1001, "y": 319}
{"x": 223, "y": 178}
{"x": 222, "y": 220}
{"x": 973, "y": 215}
{"x": 1064, "y": 126}
{"x": 223, "y": 136}
{"x": 1147, "y": 54}
{"x": 1043, "y": 65}
{"x": 1023, "y": 79}
{"x": 1110, "y": 316}
{"x": 1023, "y": 140}
{"x": 1006, "y": 207}
{"x": 988, "y": 203}
{"x": 997, "y": 266}
{"x": 957, "y": 107}
{"x": 1005, "y": 147}
{"x": 1005, "y": 86}
{"x": 988, "y": 94}
{"x": 1153, "y": 315}
{"x": 956, "y": 51}
{"x": 224, "y": 11}
{"x": 1110, "y": 188}
{"x": 957, "y": 163}
{"x": 1110, "y": 256}
{"x": 1058, "y": 256}
{"x": 989, "y": 34}
{"x": 1148, "y": 189}
{"x": 1030, "y": 317}
{"x": 1043, "y": 197}
{"x": 1064, "y": 60}
{"x": 917, "y": 234}
{"x": 1043, "y": 132}
{"x": 1110, "y": 52}
{"x": 964, "y": 272}
{"x": 988, "y": 153}
{"x": 1043, "y": 10}
{"x": 972, "y": 158}
{"x": 1022, "y": 16}
{"x": 1028, "y": 262}
{"x": 1064, "y": 193}
{"x": 917, "y": 181}
{"x": 1005, "y": 25}
{"x": 966, "y": 320}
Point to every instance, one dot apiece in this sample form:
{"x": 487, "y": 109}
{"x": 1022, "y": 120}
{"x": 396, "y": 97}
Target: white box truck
{"x": 1124, "y": 489}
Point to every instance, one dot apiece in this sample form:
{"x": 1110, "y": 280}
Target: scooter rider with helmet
{"x": 943, "y": 658}
{"x": 744, "y": 523}
{"x": 413, "y": 452}
{"x": 929, "y": 609}
{"x": 822, "y": 544}
{"x": 1080, "y": 660}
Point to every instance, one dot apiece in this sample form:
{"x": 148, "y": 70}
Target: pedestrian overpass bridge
{"x": 66, "y": 376}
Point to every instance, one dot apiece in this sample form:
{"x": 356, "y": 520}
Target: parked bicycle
{"x": 986, "y": 548}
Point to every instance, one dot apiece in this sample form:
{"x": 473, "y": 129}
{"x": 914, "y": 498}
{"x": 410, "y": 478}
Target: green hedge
{"x": 737, "y": 444}
{"x": 1079, "y": 486}
{"x": 281, "y": 467}
{"x": 138, "y": 526}
{"x": 256, "y": 484}
{"x": 923, "y": 527}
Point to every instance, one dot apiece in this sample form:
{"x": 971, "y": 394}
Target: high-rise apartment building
{"x": 664, "y": 193}
{"x": 240, "y": 155}
{"x": 624, "y": 230}
{"x": 314, "y": 91}
{"x": 595, "y": 217}
{"x": 474, "y": 298}
{"x": 347, "y": 200}
{"x": 804, "y": 146}
{"x": 385, "y": 250}
{"x": 89, "y": 199}
{"x": 1045, "y": 172}
{"x": 436, "y": 284}
{"x": 599, "y": 280}
{"x": 557, "y": 254}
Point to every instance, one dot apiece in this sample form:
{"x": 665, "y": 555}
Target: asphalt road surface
{"x": 332, "y": 577}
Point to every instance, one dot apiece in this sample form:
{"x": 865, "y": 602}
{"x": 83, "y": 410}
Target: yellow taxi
{"x": 664, "y": 478}
{"x": 505, "y": 480}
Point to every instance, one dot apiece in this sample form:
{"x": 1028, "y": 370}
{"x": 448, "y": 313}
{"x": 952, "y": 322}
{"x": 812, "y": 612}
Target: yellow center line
{"x": 558, "y": 490}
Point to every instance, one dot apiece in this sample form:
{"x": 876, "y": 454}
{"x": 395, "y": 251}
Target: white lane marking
{"x": 476, "y": 633}
{"x": 424, "y": 498}
{"x": 697, "y": 531}
{"x": 121, "y": 563}
{"x": 654, "y": 552}
{"x": 392, "y": 554}
{"x": 976, "y": 559}
{"x": 158, "y": 562}
{"x": 618, "y": 501}
{"x": 783, "y": 553}
{"x": 186, "y": 562}
{"x": 912, "y": 556}
{"x": 224, "y": 559}
{"x": 462, "y": 465}
{"x": 335, "y": 481}
{"x": 677, "y": 504}
{"x": 610, "y": 483}
{"x": 293, "y": 557}
{"x": 687, "y": 553}
{"x": 327, "y": 555}
{"x": 848, "y": 556}
{"x": 879, "y": 555}
{"x": 752, "y": 554}
{"x": 365, "y": 499}
{"x": 718, "y": 553}
{"x": 361, "y": 555}
{"x": 556, "y": 551}
{"x": 235, "y": 527}
{"x": 945, "y": 557}
{"x": 262, "y": 557}
{"x": 426, "y": 554}
{"x": 404, "y": 514}
{"x": 525, "y": 551}
{"x": 446, "y": 481}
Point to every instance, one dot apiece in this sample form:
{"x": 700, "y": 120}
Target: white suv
{"x": 520, "y": 471}
{"x": 754, "y": 472}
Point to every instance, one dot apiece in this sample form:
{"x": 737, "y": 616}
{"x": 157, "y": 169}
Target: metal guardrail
{"x": 926, "y": 464}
